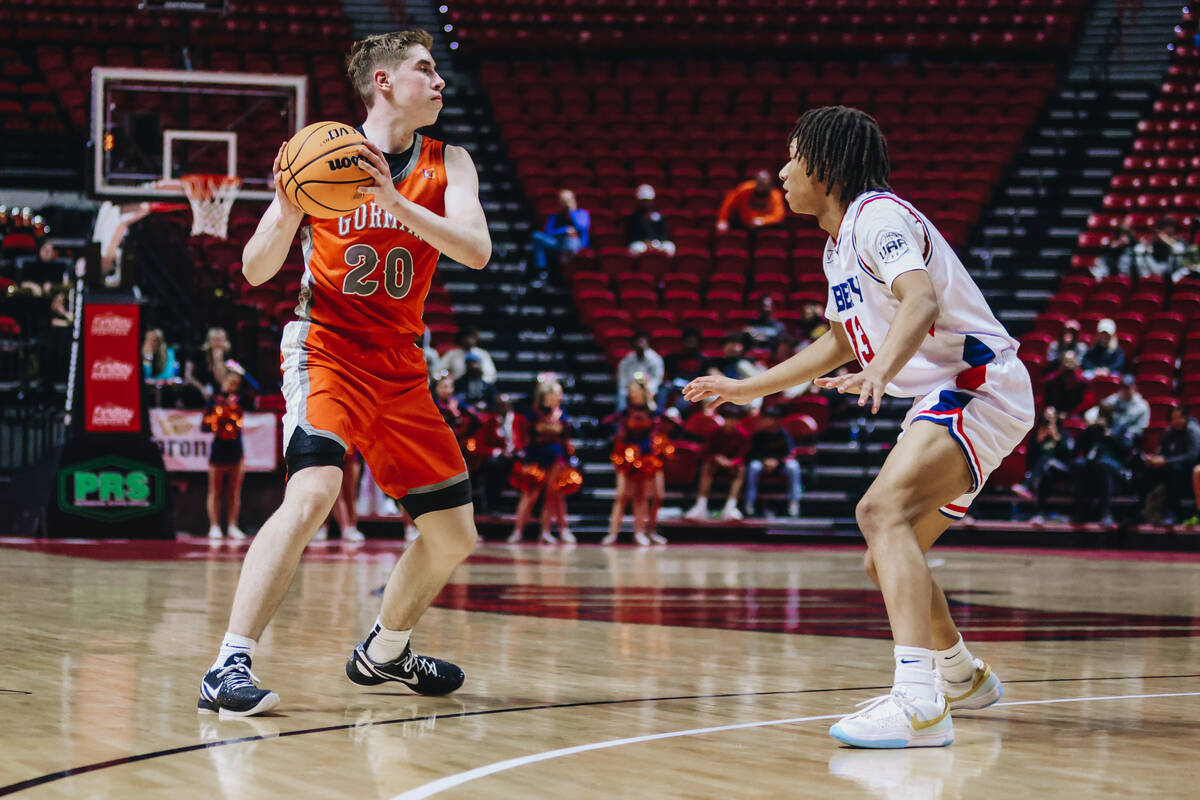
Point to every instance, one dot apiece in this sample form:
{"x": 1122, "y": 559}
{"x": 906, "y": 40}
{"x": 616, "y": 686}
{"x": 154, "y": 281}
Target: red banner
{"x": 112, "y": 375}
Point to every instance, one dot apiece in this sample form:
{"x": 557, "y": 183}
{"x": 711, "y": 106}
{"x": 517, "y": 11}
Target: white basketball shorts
{"x": 988, "y": 410}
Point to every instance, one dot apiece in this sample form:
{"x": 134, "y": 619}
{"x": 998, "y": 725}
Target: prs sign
{"x": 110, "y": 489}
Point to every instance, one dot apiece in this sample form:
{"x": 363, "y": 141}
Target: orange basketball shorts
{"x": 372, "y": 394}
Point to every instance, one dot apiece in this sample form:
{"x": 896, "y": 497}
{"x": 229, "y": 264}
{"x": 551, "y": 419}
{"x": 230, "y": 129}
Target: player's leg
{"x": 970, "y": 683}
{"x": 925, "y": 471}
{"x": 735, "y": 491}
{"x": 216, "y": 475}
{"x": 236, "y": 473}
{"x": 618, "y": 510}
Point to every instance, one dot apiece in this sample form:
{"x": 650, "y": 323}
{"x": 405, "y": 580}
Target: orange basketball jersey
{"x": 365, "y": 273}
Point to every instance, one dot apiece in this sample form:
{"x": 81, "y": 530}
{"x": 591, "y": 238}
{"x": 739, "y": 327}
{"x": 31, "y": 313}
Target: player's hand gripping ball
{"x": 320, "y": 171}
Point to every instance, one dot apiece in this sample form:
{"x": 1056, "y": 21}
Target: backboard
{"x": 151, "y": 126}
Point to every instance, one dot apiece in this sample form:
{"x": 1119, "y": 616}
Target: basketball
{"x": 321, "y": 172}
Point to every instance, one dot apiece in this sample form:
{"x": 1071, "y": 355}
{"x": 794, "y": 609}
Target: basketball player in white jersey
{"x": 908, "y": 312}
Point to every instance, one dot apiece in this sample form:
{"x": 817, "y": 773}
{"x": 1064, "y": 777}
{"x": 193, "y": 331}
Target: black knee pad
{"x": 452, "y": 496}
{"x": 304, "y": 450}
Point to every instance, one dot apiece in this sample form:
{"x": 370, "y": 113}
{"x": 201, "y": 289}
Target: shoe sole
{"x": 936, "y": 739}
{"x": 268, "y": 702}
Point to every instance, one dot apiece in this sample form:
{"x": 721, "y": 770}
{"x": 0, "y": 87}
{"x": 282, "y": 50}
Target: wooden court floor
{"x": 681, "y": 672}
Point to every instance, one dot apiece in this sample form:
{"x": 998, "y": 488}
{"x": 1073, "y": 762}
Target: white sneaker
{"x": 983, "y": 689}
{"x": 353, "y": 535}
{"x": 698, "y": 511}
{"x": 794, "y": 508}
{"x": 214, "y": 532}
{"x": 657, "y": 538}
{"x": 514, "y": 537}
{"x": 609, "y": 539}
{"x": 321, "y": 535}
{"x": 236, "y": 533}
{"x": 730, "y": 512}
{"x": 567, "y": 537}
{"x": 896, "y": 720}
{"x": 641, "y": 538}
{"x": 547, "y": 538}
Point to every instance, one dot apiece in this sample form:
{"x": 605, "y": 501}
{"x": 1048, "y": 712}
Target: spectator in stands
{"x": 454, "y": 360}
{"x": 772, "y": 452}
{"x": 224, "y": 417}
{"x": 1105, "y": 356}
{"x": 472, "y": 389}
{"x": 1162, "y": 252}
{"x": 681, "y": 367}
{"x": 1117, "y": 256}
{"x": 61, "y": 313}
{"x": 752, "y": 204}
{"x": 640, "y": 449}
{"x": 1100, "y": 458}
{"x": 643, "y": 363}
{"x": 765, "y": 329}
{"x": 813, "y": 324}
{"x": 112, "y": 223}
{"x": 567, "y": 231}
{"x": 724, "y": 451}
{"x": 1050, "y": 454}
{"x": 205, "y": 370}
{"x": 1068, "y": 340}
{"x": 1066, "y": 388}
{"x": 784, "y": 348}
{"x": 158, "y": 360}
{"x": 1169, "y": 472}
{"x": 1190, "y": 265}
{"x": 499, "y": 441}
{"x": 646, "y": 227}
{"x": 732, "y": 363}
{"x": 1130, "y": 412}
{"x": 547, "y": 457}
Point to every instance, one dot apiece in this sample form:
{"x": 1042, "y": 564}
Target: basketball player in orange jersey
{"x": 353, "y": 374}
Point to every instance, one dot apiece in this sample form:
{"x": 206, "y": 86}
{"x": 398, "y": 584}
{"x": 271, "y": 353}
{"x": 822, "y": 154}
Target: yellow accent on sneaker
{"x": 981, "y": 675}
{"x": 919, "y": 725}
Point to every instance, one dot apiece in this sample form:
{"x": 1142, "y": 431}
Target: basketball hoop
{"x": 211, "y": 198}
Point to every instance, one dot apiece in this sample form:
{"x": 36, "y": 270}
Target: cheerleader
{"x": 639, "y": 453}
{"x": 546, "y": 465}
{"x": 223, "y": 417}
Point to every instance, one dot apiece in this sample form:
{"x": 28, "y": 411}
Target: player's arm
{"x": 264, "y": 254}
{"x": 915, "y": 316}
{"x": 821, "y": 357}
{"x": 462, "y": 233}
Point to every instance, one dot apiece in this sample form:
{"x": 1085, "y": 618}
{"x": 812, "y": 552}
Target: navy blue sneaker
{"x": 232, "y": 690}
{"x": 424, "y": 675}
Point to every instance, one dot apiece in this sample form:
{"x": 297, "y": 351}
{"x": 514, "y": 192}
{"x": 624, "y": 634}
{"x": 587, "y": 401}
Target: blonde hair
{"x": 379, "y": 50}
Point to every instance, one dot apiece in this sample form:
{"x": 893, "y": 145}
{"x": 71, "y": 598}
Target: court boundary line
{"x": 452, "y": 781}
{"x": 71, "y": 772}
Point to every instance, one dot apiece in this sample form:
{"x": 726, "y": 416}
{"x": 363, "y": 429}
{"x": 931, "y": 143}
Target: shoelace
{"x": 415, "y": 662}
{"x": 903, "y": 702}
{"x": 240, "y": 676}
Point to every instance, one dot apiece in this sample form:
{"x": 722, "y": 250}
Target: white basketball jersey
{"x": 880, "y": 238}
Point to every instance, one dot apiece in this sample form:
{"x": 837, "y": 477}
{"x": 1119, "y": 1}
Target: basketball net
{"x": 211, "y": 198}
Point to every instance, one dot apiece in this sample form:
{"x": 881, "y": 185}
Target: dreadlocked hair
{"x": 845, "y": 148}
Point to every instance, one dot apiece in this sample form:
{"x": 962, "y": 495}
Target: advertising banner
{"x": 112, "y": 379}
{"x": 184, "y": 443}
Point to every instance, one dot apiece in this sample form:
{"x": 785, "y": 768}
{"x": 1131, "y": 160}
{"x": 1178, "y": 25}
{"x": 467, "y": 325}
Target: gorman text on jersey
{"x": 370, "y": 215}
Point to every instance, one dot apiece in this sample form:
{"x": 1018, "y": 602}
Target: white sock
{"x": 232, "y": 643}
{"x": 956, "y": 663}
{"x": 914, "y": 672}
{"x": 387, "y": 645}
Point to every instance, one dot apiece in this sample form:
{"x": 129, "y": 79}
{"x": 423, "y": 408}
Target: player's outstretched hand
{"x": 866, "y": 384}
{"x": 277, "y": 177}
{"x": 725, "y": 390}
{"x": 371, "y": 159}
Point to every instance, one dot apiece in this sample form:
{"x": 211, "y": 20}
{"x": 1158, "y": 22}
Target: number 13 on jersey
{"x": 858, "y": 338}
